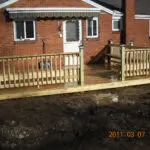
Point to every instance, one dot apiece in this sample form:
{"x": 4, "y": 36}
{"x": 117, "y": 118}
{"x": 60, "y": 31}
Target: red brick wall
{"x": 94, "y": 46}
{"x": 47, "y": 31}
{"x": 6, "y": 37}
{"x": 141, "y": 33}
{"x": 136, "y": 30}
{"x": 50, "y": 3}
{"x": 129, "y": 19}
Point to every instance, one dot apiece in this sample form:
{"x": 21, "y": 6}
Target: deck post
{"x": 81, "y": 80}
{"x": 107, "y": 60}
{"x": 122, "y": 52}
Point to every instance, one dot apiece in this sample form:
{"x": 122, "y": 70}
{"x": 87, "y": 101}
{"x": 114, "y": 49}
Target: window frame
{"x": 116, "y": 19}
{"x": 149, "y": 29}
{"x": 97, "y": 24}
{"x": 25, "y": 33}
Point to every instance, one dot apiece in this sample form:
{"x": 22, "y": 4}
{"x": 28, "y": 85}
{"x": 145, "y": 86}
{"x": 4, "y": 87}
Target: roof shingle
{"x": 141, "y": 6}
{"x": 2, "y": 1}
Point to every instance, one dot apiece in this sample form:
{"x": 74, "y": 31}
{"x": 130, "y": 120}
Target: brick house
{"x": 45, "y": 26}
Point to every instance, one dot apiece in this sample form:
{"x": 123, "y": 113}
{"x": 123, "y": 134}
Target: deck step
{"x": 116, "y": 61}
{"x": 113, "y": 56}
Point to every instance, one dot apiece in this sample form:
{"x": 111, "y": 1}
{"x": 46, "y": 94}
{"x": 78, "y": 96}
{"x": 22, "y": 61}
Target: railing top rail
{"x": 128, "y": 47}
{"x": 137, "y": 47}
{"x": 131, "y": 50}
{"x": 38, "y": 55}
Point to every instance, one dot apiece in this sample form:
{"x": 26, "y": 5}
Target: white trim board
{"x": 51, "y": 9}
{"x": 117, "y": 14}
{"x": 7, "y": 3}
{"x": 98, "y": 6}
{"x": 142, "y": 17}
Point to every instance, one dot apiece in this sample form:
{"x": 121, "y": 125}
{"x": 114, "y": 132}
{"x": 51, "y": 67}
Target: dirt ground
{"x": 117, "y": 119}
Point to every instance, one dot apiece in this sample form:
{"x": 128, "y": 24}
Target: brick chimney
{"x": 129, "y": 20}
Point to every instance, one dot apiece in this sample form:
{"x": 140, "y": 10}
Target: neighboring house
{"x": 46, "y": 26}
{"x": 134, "y": 22}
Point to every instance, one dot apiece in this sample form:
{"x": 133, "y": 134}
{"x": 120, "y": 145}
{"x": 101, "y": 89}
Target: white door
{"x": 72, "y": 34}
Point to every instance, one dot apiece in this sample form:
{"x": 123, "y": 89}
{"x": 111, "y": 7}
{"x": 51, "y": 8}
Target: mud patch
{"x": 77, "y": 121}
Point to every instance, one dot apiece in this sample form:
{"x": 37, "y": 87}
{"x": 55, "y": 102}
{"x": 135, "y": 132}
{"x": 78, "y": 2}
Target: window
{"x": 116, "y": 24}
{"x": 92, "y": 27}
{"x": 24, "y": 30}
{"x": 72, "y": 30}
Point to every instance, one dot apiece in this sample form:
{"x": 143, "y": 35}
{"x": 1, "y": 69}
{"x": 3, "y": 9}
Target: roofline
{"x": 51, "y": 9}
{"x": 115, "y": 13}
{"x": 7, "y": 3}
{"x": 98, "y": 6}
{"x": 138, "y": 16}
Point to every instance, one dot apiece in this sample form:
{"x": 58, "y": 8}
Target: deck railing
{"x": 36, "y": 70}
{"x": 137, "y": 62}
{"x": 114, "y": 56}
{"x": 131, "y": 61}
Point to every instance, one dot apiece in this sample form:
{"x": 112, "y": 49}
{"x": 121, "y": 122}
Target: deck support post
{"x": 122, "y": 52}
{"x": 81, "y": 65}
{"x": 107, "y": 58}
{"x": 111, "y": 53}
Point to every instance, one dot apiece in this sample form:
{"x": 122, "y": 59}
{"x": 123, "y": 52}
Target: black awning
{"x": 42, "y": 15}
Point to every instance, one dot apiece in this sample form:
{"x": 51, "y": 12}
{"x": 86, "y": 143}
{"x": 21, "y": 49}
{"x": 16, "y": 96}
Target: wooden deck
{"x": 96, "y": 78}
